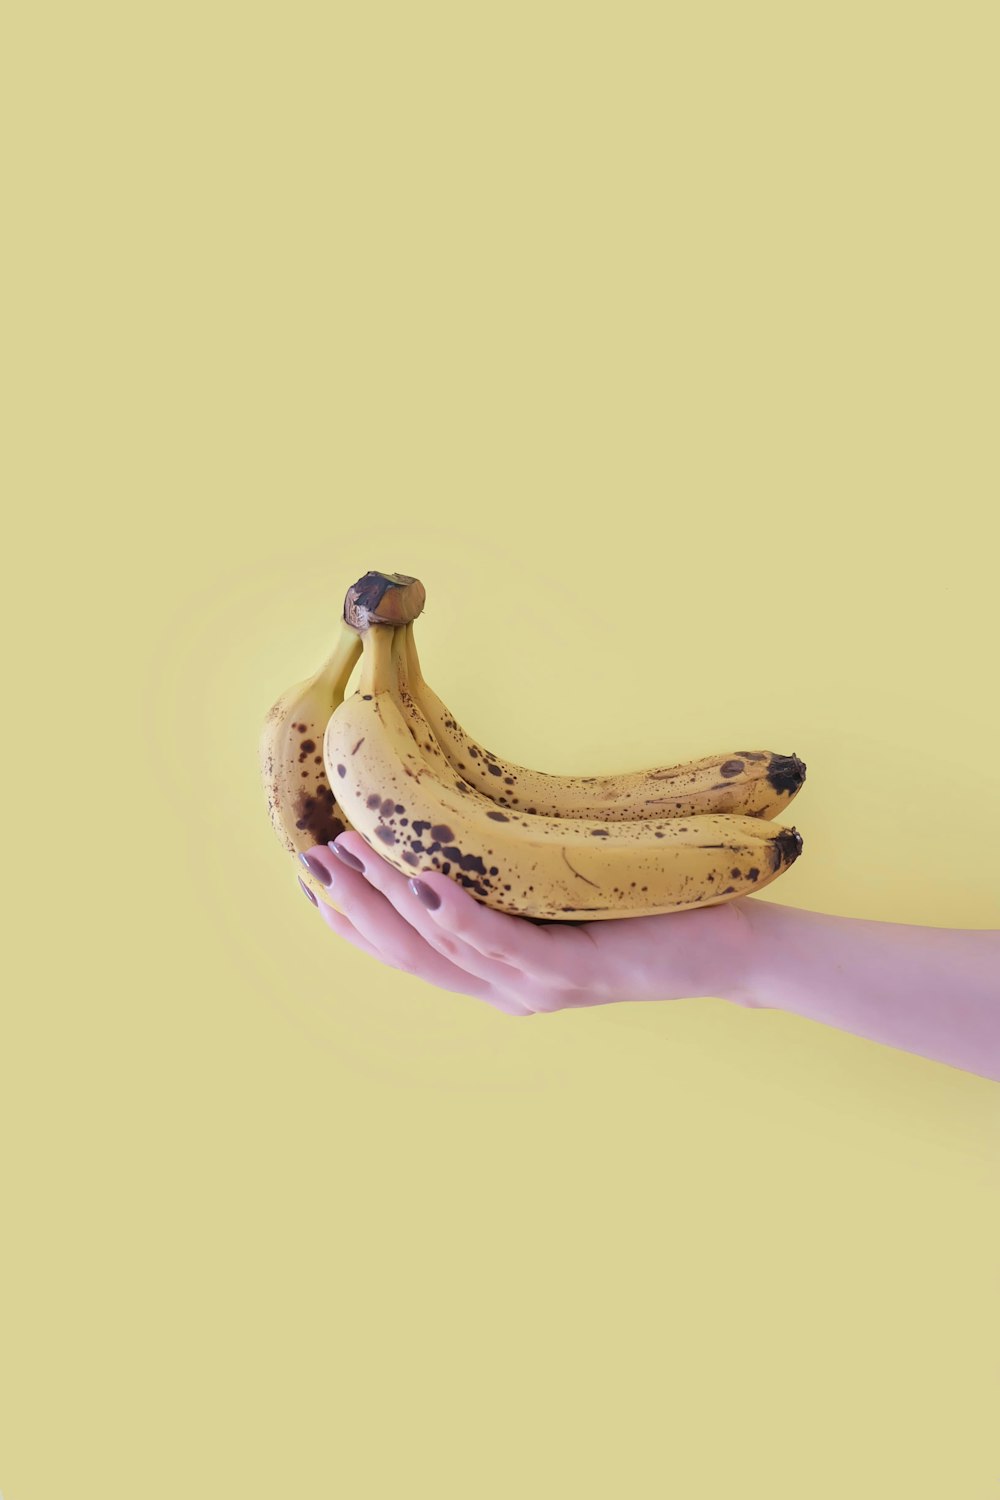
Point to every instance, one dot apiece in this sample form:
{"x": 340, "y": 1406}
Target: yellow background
{"x": 660, "y": 342}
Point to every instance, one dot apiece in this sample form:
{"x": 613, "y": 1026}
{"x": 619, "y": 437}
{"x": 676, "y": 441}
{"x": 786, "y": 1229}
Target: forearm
{"x": 930, "y": 990}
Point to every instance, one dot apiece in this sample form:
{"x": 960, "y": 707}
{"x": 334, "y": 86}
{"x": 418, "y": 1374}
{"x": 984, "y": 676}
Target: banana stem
{"x": 377, "y": 668}
{"x": 400, "y": 680}
{"x": 411, "y": 663}
{"x": 335, "y": 672}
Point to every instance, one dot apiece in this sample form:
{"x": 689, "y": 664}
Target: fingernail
{"x": 314, "y": 867}
{"x": 347, "y": 857}
{"x": 430, "y": 898}
{"x": 308, "y": 892}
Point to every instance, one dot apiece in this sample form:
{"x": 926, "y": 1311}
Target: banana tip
{"x": 788, "y": 846}
{"x": 786, "y": 773}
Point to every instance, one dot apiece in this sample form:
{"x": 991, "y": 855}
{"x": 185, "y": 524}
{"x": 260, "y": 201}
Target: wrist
{"x": 749, "y": 977}
{"x": 714, "y": 952}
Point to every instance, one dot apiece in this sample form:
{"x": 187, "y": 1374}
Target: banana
{"x": 300, "y": 801}
{"x": 522, "y": 863}
{"x": 420, "y": 729}
{"x": 753, "y": 783}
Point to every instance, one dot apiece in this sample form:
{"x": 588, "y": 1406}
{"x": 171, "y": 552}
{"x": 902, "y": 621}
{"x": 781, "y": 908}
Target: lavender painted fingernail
{"x": 430, "y": 898}
{"x": 308, "y": 892}
{"x": 347, "y": 857}
{"x": 314, "y": 867}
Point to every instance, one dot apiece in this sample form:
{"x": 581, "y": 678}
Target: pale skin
{"x": 933, "y": 991}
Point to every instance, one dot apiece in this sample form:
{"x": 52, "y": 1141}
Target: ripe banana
{"x": 753, "y": 783}
{"x": 303, "y": 808}
{"x": 420, "y": 729}
{"x": 522, "y": 863}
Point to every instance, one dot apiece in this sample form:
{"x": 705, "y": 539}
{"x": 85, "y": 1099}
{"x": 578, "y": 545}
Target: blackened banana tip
{"x": 786, "y": 848}
{"x": 786, "y": 773}
{"x": 789, "y": 845}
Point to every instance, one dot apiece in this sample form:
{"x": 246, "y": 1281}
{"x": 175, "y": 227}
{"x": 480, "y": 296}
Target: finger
{"x": 390, "y": 938}
{"x": 553, "y": 956}
{"x": 342, "y": 925}
{"x": 397, "y": 891}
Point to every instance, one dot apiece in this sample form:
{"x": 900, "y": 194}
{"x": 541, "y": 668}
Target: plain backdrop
{"x": 660, "y": 343}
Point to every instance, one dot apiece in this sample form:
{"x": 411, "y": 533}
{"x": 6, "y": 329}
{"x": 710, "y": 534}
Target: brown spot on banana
{"x": 318, "y": 815}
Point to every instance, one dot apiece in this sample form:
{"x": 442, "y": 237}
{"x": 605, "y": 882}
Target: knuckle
{"x": 577, "y": 999}
{"x": 540, "y": 1001}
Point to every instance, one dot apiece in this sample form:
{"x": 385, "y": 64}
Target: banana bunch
{"x": 425, "y": 796}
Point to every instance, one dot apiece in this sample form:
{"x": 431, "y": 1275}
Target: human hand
{"x": 511, "y": 962}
